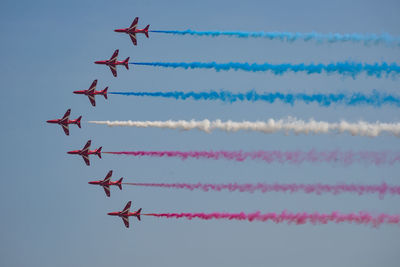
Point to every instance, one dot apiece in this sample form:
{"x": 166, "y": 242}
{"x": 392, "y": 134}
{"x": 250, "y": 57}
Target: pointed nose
{"x": 97, "y": 62}
{"x": 91, "y": 182}
{"x": 75, "y": 92}
{"x": 70, "y": 152}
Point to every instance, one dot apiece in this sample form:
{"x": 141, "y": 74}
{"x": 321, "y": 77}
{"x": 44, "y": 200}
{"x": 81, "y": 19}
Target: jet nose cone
{"x": 70, "y": 152}
{"x": 110, "y": 213}
{"x": 75, "y": 92}
{"x": 49, "y": 121}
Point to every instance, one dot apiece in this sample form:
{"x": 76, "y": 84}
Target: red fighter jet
{"x": 65, "y": 121}
{"x": 106, "y": 183}
{"x": 132, "y": 30}
{"x": 91, "y": 92}
{"x": 85, "y": 152}
{"x": 125, "y": 214}
{"x": 113, "y": 62}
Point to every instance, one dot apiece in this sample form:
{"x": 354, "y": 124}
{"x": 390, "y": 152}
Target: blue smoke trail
{"x": 344, "y": 68}
{"x": 366, "y": 39}
{"x": 375, "y": 99}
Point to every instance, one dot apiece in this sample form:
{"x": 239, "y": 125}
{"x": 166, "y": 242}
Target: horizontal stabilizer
{"x": 78, "y": 121}
{"x": 104, "y": 92}
{"x": 98, "y": 152}
{"x": 126, "y": 61}
{"x": 119, "y": 183}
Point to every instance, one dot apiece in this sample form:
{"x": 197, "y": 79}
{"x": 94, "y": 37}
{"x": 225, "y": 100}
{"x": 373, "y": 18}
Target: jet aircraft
{"x": 91, "y": 93}
{"x": 113, "y": 63}
{"x": 65, "y": 121}
{"x": 106, "y": 183}
{"x": 85, "y": 152}
{"x": 133, "y": 30}
{"x": 125, "y": 214}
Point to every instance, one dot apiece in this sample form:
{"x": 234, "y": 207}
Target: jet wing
{"x": 87, "y": 146}
{"x": 113, "y": 70}
{"x": 134, "y": 23}
{"x": 108, "y": 176}
{"x": 92, "y": 100}
{"x": 66, "y": 115}
{"x": 114, "y": 56}
{"x": 133, "y": 38}
{"x": 127, "y": 207}
{"x": 65, "y": 128}
{"x": 126, "y": 221}
{"x": 92, "y": 87}
{"x": 86, "y": 159}
{"x": 107, "y": 190}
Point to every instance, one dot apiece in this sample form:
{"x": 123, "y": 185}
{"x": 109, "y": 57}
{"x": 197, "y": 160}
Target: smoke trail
{"x": 288, "y": 217}
{"x": 290, "y": 157}
{"x": 375, "y": 99}
{"x": 344, "y": 68}
{"x": 366, "y": 39}
{"x": 318, "y": 189}
{"x": 360, "y": 128}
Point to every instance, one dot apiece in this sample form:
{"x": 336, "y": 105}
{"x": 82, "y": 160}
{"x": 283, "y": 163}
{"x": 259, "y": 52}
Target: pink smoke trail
{"x": 296, "y": 218}
{"x": 292, "y": 157}
{"x": 360, "y": 189}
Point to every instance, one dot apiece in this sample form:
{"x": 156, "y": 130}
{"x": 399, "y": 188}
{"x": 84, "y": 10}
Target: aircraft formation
{"x": 91, "y": 93}
{"x": 297, "y": 126}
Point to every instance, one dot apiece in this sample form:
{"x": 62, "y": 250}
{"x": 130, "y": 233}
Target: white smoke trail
{"x": 360, "y": 128}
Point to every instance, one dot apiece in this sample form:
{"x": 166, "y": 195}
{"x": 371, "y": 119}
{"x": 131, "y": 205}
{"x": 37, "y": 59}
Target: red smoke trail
{"x": 381, "y": 189}
{"x": 293, "y": 157}
{"x": 296, "y": 218}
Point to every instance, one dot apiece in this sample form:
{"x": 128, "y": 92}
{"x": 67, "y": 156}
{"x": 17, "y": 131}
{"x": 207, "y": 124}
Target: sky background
{"x": 51, "y": 216}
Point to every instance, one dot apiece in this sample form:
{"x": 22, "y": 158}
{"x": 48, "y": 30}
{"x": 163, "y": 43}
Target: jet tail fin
{"x": 104, "y": 92}
{"x": 126, "y": 62}
{"x": 138, "y": 213}
{"x": 119, "y": 183}
{"x": 98, "y": 152}
{"x": 78, "y": 121}
{"x": 146, "y": 31}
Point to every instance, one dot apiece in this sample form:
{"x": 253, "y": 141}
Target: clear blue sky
{"x": 52, "y": 217}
